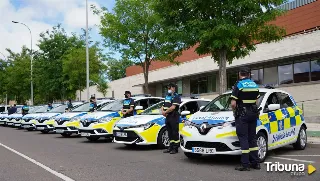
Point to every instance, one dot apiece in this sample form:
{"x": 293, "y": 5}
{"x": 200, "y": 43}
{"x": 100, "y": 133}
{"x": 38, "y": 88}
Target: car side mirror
{"x": 273, "y": 107}
{"x": 139, "y": 108}
{"x": 184, "y": 113}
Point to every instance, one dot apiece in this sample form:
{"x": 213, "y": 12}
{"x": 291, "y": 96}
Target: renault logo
{"x": 203, "y": 127}
{"x": 85, "y": 121}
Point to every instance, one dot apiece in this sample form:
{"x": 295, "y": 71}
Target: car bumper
{"x": 42, "y": 127}
{"x": 216, "y": 142}
{"x": 65, "y": 129}
{"x": 3, "y": 121}
{"x": 137, "y": 136}
{"x": 89, "y": 132}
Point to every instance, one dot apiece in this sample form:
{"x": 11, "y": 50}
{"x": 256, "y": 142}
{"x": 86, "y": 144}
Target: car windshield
{"x": 223, "y": 103}
{"x": 113, "y": 106}
{"x": 85, "y": 107}
{"x": 153, "y": 110}
{"x": 59, "y": 109}
{"x": 42, "y": 109}
{"x": 34, "y": 109}
{"x": 19, "y": 110}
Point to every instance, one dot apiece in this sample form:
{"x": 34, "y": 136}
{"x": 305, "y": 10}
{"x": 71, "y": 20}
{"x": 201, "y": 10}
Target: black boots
{"x": 173, "y": 149}
{"x": 169, "y": 149}
{"x": 242, "y": 168}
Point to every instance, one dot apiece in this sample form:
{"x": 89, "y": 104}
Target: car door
{"x": 202, "y": 103}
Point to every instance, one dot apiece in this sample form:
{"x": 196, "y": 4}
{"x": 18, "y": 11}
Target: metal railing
{"x": 295, "y": 4}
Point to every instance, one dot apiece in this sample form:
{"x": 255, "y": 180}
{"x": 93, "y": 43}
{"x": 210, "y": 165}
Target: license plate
{"x": 85, "y": 134}
{"x": 17, "y": 124}
{"x": 10, "y": 124}
{"x": 40, "y": 128}
{"x": 203, "y": 150}
{"x": 121, "y": 134}
{"x": 59, "y": 130}
{"x": 26, "y": 126}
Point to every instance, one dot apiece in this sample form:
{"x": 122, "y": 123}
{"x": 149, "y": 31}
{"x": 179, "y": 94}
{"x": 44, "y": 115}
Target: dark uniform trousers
{"x": 172, "y": 125}
{"x": 246, "y": 130}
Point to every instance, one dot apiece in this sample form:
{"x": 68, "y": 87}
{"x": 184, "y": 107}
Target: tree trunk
{"x": 222, "y": 71}
{"x": 146, "y": 77}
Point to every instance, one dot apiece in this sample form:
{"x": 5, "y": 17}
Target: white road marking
{"x": 291, "y": 159}
{"x": 60, "y": 175}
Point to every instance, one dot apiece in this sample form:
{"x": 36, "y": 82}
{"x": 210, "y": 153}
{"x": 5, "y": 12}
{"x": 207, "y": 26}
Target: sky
{"x": 41, "y": 15}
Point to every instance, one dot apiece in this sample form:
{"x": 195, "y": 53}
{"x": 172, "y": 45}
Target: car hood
{"x": 48, "y": 115}
{"x": 212, "y": 117}
{"x": 32, "y": 115}
{"x": 16, "y": 115}
{"x": 99, "y": 115}
{"x": 138, "y": 120}
{"x": 70, "y": 115}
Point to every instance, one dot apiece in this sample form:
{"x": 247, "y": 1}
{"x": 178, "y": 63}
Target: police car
{"x": 33, "y": 110}
{"x": 27, "y": 119}
{"x": 15, "y": 118}
{"x": 4, "y": 118}
{"x": 148, "y": 128}
{"x": 212, "y": 130}
{"x": 69, "y": 123}
{"x": 45, "y": 122}
{"x": 101, "y": 123}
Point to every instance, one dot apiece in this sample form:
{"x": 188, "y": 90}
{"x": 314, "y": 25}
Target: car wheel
{"x": 163, "y": 138}
{"x": 93, "y": 138}
{"x": 262, "y": 144}
{"x": 302, "y": 139}
{"x": 45, "y": 131}
{"x": 192, "y": 155}
{"x": 66, "y": 134}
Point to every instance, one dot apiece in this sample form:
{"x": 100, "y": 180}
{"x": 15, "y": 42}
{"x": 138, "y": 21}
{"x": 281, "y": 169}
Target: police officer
{"x": 93, "y": 104}
{"x": 244, "y": 97}
{"x": 49, "y": 107}
{"x": 170, "y": 111}
{"x": 25, "y": 109}
{"x": 128, "y": 105}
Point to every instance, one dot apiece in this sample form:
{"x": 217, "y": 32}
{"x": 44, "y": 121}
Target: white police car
{"x": 100, "y": 124}
{"x": 212, "y": 130}
{"x": 149, "y": 128}
{"x": 69, "y": 123}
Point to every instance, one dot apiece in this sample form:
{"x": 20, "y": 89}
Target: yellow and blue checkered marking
{"x": 282, "y": 119}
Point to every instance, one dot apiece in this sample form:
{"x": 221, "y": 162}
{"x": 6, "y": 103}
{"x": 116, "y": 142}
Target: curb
{"x": 313, "y": 140}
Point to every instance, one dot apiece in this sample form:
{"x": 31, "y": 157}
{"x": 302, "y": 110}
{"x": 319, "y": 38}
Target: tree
{"x": 3, "y": 72}
{"x": 102, "y": 86}
{"x": 17, "y": 81}
{"x": 224, "y": 29}
{"x": 74, "y": 68}
{"x": 116, "y": 69}
{"x": 136, "y": 31}
{"x": 48, "y": 66}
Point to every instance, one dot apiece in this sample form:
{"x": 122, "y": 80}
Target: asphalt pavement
{"x": 35, "y": 156}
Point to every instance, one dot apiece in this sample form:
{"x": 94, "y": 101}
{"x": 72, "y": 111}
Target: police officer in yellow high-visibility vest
{"x": 170, "y": 110}
{"x": 244, "y": 98}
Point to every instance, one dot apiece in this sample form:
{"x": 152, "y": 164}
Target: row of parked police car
{"x": 206, "y": 127}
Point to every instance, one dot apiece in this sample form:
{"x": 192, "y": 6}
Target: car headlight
{"x": 144, "y": 126}
{"x": 105, "y": 120}
{"x": 187, "y": 123}
{"x": 53, "y": 117}
{"x": 74, "y": 119}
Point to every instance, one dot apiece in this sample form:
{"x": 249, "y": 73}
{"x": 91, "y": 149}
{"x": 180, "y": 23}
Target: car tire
{"x": 45, "y": 131}
{"x": 66, "y": 135}
{"x": 301, "y": 142}
{"x": 192, "y": 155}
{"x": 262, "y": 143}
{"x": 160, "y": 142}
{"x": 93, "y": 138}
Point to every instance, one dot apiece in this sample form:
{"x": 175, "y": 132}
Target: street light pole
{"x": 30, "y": 60}
{"x": 87, "y": 52}
{"x": 6, "y": 94}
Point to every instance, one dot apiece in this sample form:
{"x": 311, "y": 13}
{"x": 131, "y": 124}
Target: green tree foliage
{"x": 224, "y": 29}
{"x": 116, "y": 69}
{"x": 3, "y": 73}
{"x": 74, "y": 68}
{"x": 136, "y": 31}
{"x": 17, "y": 81}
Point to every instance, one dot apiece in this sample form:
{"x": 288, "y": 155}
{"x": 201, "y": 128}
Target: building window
{"x": 231, "y": 80}
{"x": 199, "y": 85}
{"x": 285, "y": 74}
{"x": 212, "y": 83}
{"x": 270, "y": 76}
{"x": 257, "y": 76}
{"x": 315, "y": 70}
{"x": 301, "y": 72}
{"x": 180, "y": 87}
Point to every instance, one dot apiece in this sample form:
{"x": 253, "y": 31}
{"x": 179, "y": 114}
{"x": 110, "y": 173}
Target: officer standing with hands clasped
{"x": 170, "y": 111}
{"x": 244, "y": 103}
{"x": 128, "y": 105}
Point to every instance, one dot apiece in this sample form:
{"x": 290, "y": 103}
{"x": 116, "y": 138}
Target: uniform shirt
{"x": 127, "y": 103}
{"x": 49, "y": 108}
{"x": 69, "y": 105}
{"x": 245, "y": 92}
{"x": 172, "y": 99}
{"x": 25, "y": 109}
{"x": 92, "y": 106}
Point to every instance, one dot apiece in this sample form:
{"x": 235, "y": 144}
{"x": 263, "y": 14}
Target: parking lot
{"x": 34, "y": 156}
